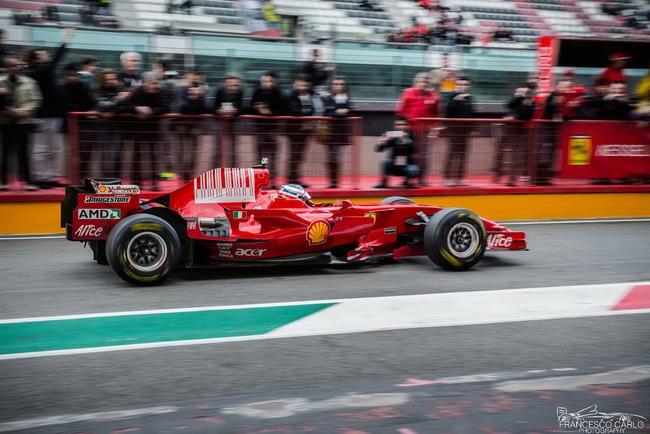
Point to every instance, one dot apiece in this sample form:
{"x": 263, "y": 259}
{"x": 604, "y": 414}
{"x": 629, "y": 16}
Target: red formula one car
{"x": 225, "y": 217}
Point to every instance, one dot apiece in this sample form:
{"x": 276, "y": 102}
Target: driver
{"x": 297, "y": 191}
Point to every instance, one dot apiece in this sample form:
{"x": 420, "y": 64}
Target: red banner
{"x": 546, "y": 58}
{"x": 602, "y": 149}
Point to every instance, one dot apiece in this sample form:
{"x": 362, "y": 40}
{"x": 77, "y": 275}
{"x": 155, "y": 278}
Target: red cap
{"x": 619, "y": 56}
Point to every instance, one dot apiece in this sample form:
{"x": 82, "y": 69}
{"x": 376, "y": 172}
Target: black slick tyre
{"x": 396, "y": 199}
{"x": 143, "y": 249}
{"x": 455, "y": 239}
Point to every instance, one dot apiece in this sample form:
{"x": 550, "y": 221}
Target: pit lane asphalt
{"x": 55, "y": 277}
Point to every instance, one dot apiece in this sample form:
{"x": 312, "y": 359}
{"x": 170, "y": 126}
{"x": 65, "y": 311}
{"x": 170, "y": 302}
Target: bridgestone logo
{"x": 102, "y": 213}
{"x": 107, "y": 199}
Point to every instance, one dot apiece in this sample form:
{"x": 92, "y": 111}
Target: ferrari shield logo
{"x": 371, "y": 215}
{"x": 579, "y": 151}
{"x": 317, "y": 232}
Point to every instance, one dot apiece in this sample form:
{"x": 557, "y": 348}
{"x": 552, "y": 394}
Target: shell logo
{"x": 317, "y": 232}
{"x": 102, "y": 189}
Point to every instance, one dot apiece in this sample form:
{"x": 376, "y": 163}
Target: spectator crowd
{"x": 445, "y": 30}
{"x": 94, "y": 13}
{"x": 35, "y": 102}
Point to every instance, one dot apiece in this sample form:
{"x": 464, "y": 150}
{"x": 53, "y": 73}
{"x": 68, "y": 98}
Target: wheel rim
{"x": 146, "y": 251}
{"x": 463, "y": 240}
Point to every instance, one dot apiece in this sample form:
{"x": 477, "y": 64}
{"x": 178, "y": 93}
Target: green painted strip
{"x": 147, "y": 328}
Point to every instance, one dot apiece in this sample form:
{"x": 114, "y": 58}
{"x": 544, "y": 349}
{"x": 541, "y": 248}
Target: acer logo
{"x": 98, "y": 213}
{"x": 499, "y": 240}
{"x": 88, "y": 231}
{"x": 249, "y": 252}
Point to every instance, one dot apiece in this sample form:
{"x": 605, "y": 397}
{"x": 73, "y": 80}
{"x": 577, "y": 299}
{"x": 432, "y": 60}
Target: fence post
{"x": 73, "y": 138}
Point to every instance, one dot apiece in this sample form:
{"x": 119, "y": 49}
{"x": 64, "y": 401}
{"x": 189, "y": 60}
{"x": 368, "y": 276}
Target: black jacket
{"x": 463, "y": 108}
{"x": 77, "y": 98}
{"x": 298, "y": 107}
{"x": 45, "y": 76}
{"x": 157, "y": 101}
{"x": 221, "y": 96}
{"x": 273, "y": 98}
{"x": 521, "y": 108}
{"x": 192, "y": 106}
{"x": 399, "y": 147}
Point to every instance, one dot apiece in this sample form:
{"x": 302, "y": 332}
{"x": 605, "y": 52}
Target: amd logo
{"x": 98, "y": 213}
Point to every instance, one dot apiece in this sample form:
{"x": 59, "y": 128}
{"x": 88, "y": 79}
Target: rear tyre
{"x": 143, "y": 249}
{"x": 455, "y": 239}
{"x": 396, "y": 199}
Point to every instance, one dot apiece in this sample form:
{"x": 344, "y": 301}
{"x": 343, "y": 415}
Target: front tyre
{"x": 143, "y": 249}
{"x": 396, "y": 199}
{"x": 455, "y": 239}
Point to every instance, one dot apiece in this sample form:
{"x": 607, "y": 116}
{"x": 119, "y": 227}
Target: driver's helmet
{"x": 294, "y": 190}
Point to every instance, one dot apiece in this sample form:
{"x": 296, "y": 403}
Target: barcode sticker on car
{"x": 225, "y": 185}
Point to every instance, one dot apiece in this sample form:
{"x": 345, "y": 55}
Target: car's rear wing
{"x": 85, "y": 209}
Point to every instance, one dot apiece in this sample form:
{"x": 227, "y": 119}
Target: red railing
{"x": 326, "y": 152}
{"x": 311, "y": 150}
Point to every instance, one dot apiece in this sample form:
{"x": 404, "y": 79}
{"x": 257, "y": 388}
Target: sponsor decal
{"x": 371, "y": 215}
{"x": 225, "y": 186}
{"x": 623, "y": 151}
{"x": 317, "y": 232}
{"x": 499, "y": 241}
{"x": 579, "y": 151}
{"x": 107, "y": 199}
{"x": 224, "y": 250}
{"x": 99, "y": 213}
{"x": 191, "y": 226}
{"x": 147, "y": 227}
{"x": 88, "y": 231}
{"x": 117, "y": 189}
{"x": 240, "y": 215}
{"x": 546, "y": 55}
{"x": 249, "y": 252}
{"x": 591, "y": 421}
{"x": 389, "y": 231}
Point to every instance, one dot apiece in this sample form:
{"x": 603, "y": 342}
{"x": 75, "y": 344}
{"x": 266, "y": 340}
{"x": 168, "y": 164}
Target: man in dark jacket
{"x": 228, "y": 101}
{"x": 616, "y": 104}
{"x": 317, "y": 71}
{"x": 268, "y": 101}
{"x": 460, "y": 106}
{"x": 192, "y": 96}
{"x": 148, "y": 103}
{"x": 302, "y": 101}
{"x": 20, "y": 98}
{"x": 400, "y": 162}
{"x": 77, "y": 97}
{"x": 48, "y": 149}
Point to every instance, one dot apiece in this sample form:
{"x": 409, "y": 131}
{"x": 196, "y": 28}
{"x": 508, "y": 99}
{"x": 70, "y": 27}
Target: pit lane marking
{"x": 120, "y": 331}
